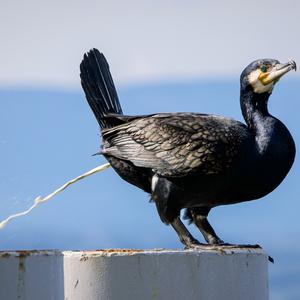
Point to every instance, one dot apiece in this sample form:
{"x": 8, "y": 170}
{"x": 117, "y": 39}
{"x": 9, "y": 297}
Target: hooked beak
{"x": 277, "y": 72}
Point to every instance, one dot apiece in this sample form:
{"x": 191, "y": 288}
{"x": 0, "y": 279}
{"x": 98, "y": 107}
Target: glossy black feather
{"x": 98, "y": 86}
{"x": 177, "y": 144}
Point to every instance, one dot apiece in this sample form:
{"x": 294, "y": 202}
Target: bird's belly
{"x": 253, "y": 183}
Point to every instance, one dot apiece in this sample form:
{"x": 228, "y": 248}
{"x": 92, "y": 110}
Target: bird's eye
{"x": 264, "y": 68}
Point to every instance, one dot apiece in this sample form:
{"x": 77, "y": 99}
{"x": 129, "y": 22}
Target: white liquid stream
{"x": 38, "y": 200}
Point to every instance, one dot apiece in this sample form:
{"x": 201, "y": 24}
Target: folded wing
{"x": 177, "y": 145}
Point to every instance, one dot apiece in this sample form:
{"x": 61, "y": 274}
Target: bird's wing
{"x": 177, "y": 144}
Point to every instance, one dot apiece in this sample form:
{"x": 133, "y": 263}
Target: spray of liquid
{"x": 39, "y": 200}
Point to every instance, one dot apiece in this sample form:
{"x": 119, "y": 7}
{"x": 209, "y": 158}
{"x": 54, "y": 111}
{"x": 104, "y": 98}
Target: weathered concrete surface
{"x": 209, "y": 273}
{"x": 30, "y": 275}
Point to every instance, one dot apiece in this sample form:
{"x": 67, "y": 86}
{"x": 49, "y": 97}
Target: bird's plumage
{"x": 177, "y": 144}
{"x": 191, "y": 160}
{"x": 99, "y": 87}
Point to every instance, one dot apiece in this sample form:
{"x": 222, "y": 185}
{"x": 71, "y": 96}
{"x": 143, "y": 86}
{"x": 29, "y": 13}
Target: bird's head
{"x": 262, "y": 74}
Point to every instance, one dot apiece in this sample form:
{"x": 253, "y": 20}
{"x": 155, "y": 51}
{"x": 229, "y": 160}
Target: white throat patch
{"x": 257, "y": 85}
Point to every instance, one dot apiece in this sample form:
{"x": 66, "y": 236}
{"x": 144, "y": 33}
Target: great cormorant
{"x": 194, "y": 161}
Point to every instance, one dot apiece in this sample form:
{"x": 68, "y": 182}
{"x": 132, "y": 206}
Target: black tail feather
{"x": 99, "y": 87}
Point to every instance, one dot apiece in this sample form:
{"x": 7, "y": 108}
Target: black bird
{"x": 194, "y": 161}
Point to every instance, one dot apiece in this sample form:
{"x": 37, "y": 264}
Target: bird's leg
{"x": 165, "y": 195}
{"x": 184, "y": 235}
{"x": 199, "y": 217}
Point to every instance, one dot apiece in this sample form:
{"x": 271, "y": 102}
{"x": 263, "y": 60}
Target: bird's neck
{"x": 255, "y": 109}
{"x": 255, "y": 112}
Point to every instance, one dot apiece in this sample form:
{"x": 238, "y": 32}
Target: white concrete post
{"x": 208, "y": 274}
{"x": 31, "y": 275}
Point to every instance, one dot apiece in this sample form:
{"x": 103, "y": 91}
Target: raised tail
{"x": 99, "y": 87}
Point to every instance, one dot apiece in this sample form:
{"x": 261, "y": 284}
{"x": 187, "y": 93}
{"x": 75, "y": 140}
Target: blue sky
{"x": 164, "y": 56}
{"x": 48, "y": 137}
